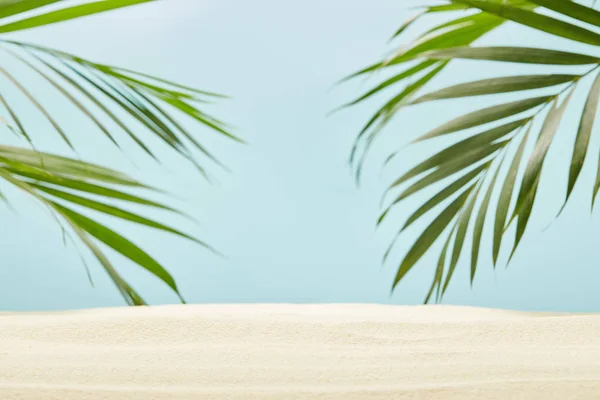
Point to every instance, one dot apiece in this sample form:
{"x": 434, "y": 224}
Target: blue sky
{"x": 294, "y": 226}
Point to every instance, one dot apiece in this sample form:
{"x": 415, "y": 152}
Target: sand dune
{"x": 298, "y": 352}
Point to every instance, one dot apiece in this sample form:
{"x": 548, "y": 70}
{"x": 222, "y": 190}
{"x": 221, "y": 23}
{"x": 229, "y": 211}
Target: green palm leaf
{"x": 485, "y": 116}
{"x": 14, "y": 7}
{"x": 496, "y": 86}
{"x": 584, "y": 134}
{"x": 513, "y": 120}
{"x": 537, "y": 21}
{"x": 429, "y": 235}
{"x": 480, "y": 223}
{"x": 571, "y": 9}
{"x": 538, "y": 155}
{"x": 505, "y": 196}
{"x": 61, "y": 15}
{"x": 55, "y": 185}
{"x": 461, "y": 233}
{"x": 69, "y": 188}
{"x": 525, "y": 55}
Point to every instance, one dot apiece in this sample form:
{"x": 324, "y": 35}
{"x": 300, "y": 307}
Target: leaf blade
{"x": 526, "y": 55}
{"x": 66, "y": 14}
{"x": 505, "y": 84}
{"x": 571, "y": 9}
{"x": 429, "y": 235}
{"x": 536, "y": 21}
{"x": 505, "y": 197}
{"x": 584, "y": 133}
{"x": 122, "y": 246}
{"x": 484, "y": 116}
{"x": 461, "y": 233}
{"x": 480, "y": 223}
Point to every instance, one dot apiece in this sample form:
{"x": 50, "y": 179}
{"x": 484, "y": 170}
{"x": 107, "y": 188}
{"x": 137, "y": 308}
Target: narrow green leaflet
{"x": 193, "y": 112}
{"x": 92, "y": 98}
{"x": 388, "y": 110}
{"x": 596, "y": 185}
{"x": 70, "y": 97}
{"x": 571, "y": 9}
{"x": 39, "y": 175}
{"x": 129, "y": 294}
{"x": 583, "y": 135}
{"x": 184, "y": 131}
{"x": 523, "y": 217}
{"x": 66, "y": 14}
{"x": 65, "y": 166}
{"x": 484, "y": 116}
{"x": 452, "y": 167}
{"x": 139, "y": 95}
{"x": 446, "y": 7}
{"x": 480, "y": 223}
{"x": 123, "y": 105}
{"x": 468, "y": 20}
{"x": 37, "y": 105}
{"x": 525, "y": 55}
{"x": 536, "y": 21}
{"x": 538, "y": 155}
{"x": 15, "y": 118}
{"x": 408, "y": 23}
{"x": 461, "y": 233}
{"x": 461, "y": 149}
{"x": 505, "y": 197}
{"x": 465, "y": 32}
{"x": 168, "y": 82}
{"x": 497, "y": 85}
{"x": 142, "y": 85}
{"x": 439, "y": 270}
{"x": 121, "y": 245}
{"x": 141, "y": 113}
{"x": 440, "y": 196}
{"x": 14, "y": 7}
{"x": 114, "y": 211}
{"x": 429, "y": 235}
{"x": 395, "y": 79}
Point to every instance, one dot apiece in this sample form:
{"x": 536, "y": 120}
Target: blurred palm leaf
{"x": 473, "y": 170}
{"x": 67, "y": 186}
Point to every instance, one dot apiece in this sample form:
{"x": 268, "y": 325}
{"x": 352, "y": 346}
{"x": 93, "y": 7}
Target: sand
{"x": 298, "y": 352}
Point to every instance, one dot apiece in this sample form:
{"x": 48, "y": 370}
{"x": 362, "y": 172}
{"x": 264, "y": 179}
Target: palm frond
{"x": 62, "y": 183}
{"x": 482, "y": 173}
{"x": 68, "y": 187}
{"x": 143, "y": 97}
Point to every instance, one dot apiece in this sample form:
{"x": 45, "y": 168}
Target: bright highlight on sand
{"x": 298, "y": 352}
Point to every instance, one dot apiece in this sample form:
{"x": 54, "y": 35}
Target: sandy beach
{"x": 298, "y": 352}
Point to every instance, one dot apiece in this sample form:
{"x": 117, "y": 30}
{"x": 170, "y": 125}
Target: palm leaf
{"x": 571, "y": 9}
{"x": 496, "y": 86}
{"x": 505, "y": 196}
{"x": 480, "y": 223}
{"x": 64, "y": 14}
{"x": 461, "y": 233}
{"x": 70, "y": 188}
{"x": 140, "y": 100}
{"x": 60, "y": 187}
{"x": 584, "y": 134}
{"x": 525, "y": 55}
{"x": 485, "y": 116}
{"x": 472, "y": 158}
{"x": 537, "y": 21}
